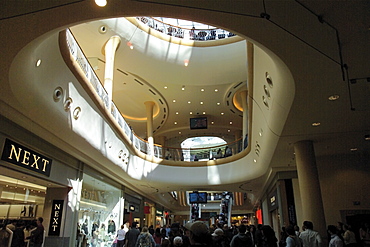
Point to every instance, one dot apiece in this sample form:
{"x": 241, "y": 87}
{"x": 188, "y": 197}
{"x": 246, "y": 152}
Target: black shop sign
{"x": 24, "y": 157}
{"x": 56, "y": 217}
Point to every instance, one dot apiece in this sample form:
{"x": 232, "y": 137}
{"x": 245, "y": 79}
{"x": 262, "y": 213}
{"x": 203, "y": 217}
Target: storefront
{"x": 38, "y": 180}
{"x": 101, "y": 209}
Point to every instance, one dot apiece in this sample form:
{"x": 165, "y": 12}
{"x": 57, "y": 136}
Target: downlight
{"x": 269, "y": 80}
{"x": 102, "y": 29}
{"x": 68, "y": 104}
{"x": 58, "y": 94}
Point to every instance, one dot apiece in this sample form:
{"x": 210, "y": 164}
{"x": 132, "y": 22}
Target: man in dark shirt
{"x": 131, "y": 235}
{"x": 37, "y": 236}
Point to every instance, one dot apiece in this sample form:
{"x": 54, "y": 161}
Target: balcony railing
{"x": 189, "y": 33}
{"x": 169, "y": 153}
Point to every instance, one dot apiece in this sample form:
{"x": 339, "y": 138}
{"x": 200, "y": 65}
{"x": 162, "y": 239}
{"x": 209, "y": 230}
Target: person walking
{"x": 309, "y": 237}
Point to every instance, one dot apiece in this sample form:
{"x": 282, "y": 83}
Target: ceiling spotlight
{"x": 333, "y": 97}
{"x": 231, "y": 122}
{"x": 202, "y": 90}
{"x": 216, "y": 90}
{"x": 201, "y": 102}
{"x": 38, "y": 62}
{"x": 222, "y": 113}
{"x": 189, "y": 102}
{"x": 183, "y": 88}
{"x": 129, "y": 44}
{"x": 101, "y": 3}
{"x": 204, "y": 112}
{"x": 165, "y": 87}
{"x": 191, "y": 113}
{"x": 218, "y": 103}
{"x": 177, "y": 113}
{"x": 212, "y": 122}
{"x": 174, "y": 101}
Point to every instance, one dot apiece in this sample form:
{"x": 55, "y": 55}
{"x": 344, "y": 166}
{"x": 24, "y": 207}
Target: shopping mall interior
{"x": 161, "y": 111}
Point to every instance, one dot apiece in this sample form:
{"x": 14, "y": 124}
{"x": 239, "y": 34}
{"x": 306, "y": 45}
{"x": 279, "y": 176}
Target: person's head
{"x": 145, "y": 229}
{"x": 40, "y": 220}
{"x": 218, "y": 232}
{"x": 242, "y": 228}
{"x": 198, "y": 232}
{"x": 165, "y": 243}
{"x": 122, "y": 226}
{"x": 134, "y": 224}
{"x": 296, "y": 228}
{"x": 290, "y": 230}
{"x": 332, "y": 229}
{"x": 340, "y": 226}
{"x": 177, "y": 241}
{"x": 307, "y": 225}
{"x": 346, "y": 227}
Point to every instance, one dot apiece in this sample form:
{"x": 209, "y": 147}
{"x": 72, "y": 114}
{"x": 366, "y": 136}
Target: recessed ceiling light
{"x": 180, "y": 132}
{"x": 260, "y": 133}
{"x": 174, "y": 101}
{"x": 218, "y": 103}
{"x": 186, "y": 62}
{"x": 38, "y": 62}
{"x": 189, "y": 102}
{"x": 254, "y": 160}
{"x": 201, "y": 102}
{"x": 231, "y": 122}
{"x": 202, "y": 90}
{"x": 177, "y": 113}
{"x": 353, "y": 149}
{"x": 367, "y": 137}
{"x": 191, "y": 113}
{"x": 175, "y": 122}
{"x": 216, "y": 90}
{"x": 316, "y": 124}
{"x": 165, "y": 87}
{"x": 222, "y": 113}
{"x": 101, "y": 3}
{"x": 204, "y": 112}
{"x": 333, "y": 97}
{"x": 212, "y": 122}
{"x": 228, "y": 130}
{"x": 183, "y": 88}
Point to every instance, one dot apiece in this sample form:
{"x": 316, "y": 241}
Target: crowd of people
{"x": 198, "y": 233}
{"x": 17, "y": 233}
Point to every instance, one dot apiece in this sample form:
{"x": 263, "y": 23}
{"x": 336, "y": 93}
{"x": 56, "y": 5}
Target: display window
{"x": 100, "y": 212}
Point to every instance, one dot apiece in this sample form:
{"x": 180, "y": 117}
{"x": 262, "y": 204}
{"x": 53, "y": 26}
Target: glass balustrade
{"x": 185, "y": 29}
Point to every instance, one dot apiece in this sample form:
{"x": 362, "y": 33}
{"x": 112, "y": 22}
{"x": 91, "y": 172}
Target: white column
{"x": 110, "y": 52}
{"x": 149, "y": 124}
{"x": 309, "y": 186}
